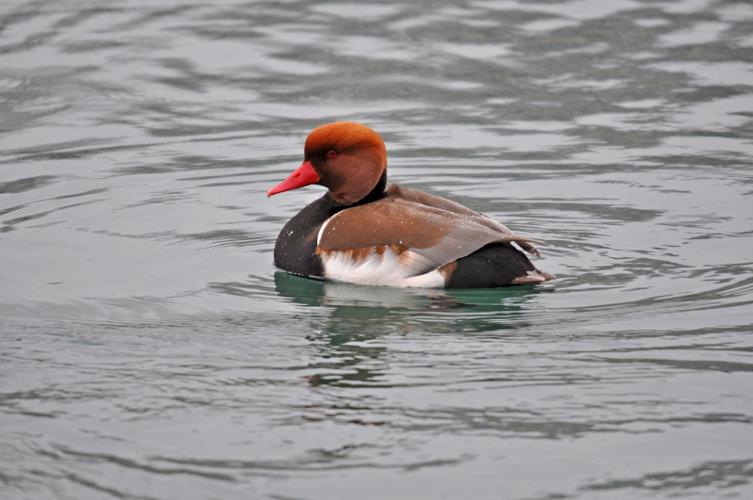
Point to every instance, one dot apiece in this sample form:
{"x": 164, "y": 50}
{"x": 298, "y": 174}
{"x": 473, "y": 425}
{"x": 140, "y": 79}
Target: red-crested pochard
{"x": 363, "y": 231}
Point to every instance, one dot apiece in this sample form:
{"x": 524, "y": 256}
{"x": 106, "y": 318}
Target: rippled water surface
{"x": 149, "y": 349}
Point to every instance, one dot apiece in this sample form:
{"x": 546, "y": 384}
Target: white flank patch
{"x": 321, "y": 230}
{"x": 385, "y": 269}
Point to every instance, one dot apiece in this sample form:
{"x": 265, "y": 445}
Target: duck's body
{"x": 363, "y": 231}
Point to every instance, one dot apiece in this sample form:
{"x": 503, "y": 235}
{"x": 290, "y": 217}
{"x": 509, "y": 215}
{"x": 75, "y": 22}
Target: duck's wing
{"x": 426, "y": 231}
{"x": 431, "y": 200}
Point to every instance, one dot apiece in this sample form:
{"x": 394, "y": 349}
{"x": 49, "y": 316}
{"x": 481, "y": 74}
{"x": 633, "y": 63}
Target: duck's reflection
{"x": 313, "y": 292}
{"x": 356, "y": 317}
{"x": 383, "y": 302}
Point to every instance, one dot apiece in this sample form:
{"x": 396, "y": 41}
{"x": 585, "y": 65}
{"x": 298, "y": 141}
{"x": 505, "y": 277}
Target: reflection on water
{"x": 357, "y": 317}
{"x": 150, "y": 349}
{"x": 358, "y": 314}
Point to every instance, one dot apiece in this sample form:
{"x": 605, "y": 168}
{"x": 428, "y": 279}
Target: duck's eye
{"x": 331, "y": 153}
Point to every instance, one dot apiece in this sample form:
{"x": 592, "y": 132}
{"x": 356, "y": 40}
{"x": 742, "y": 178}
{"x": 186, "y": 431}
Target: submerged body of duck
{"x": 364, "y": 231}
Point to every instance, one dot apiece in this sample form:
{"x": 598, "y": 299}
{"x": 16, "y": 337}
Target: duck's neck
{"x": 373, "y": 195}
{"x": 377, "y": 192}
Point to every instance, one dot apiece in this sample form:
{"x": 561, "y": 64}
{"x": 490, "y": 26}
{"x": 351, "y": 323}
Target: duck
{"x": 367, "y": 232}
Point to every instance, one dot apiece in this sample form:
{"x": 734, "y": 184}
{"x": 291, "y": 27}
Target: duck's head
{"x": 348, "y": 158}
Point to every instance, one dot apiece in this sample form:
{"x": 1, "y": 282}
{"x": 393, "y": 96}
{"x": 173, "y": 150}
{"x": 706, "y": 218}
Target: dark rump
{"x": 494, "y": 265}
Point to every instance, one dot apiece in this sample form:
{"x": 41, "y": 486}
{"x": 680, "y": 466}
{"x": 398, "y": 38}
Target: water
{"x": 149, "y": 349}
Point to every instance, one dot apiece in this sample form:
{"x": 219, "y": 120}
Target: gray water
{"x": 149, "y": 348}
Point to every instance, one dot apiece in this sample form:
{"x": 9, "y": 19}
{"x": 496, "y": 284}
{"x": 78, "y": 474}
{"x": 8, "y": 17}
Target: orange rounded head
{"x": 348, "y": 158}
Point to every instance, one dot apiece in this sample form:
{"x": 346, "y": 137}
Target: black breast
{"x": 295, "y": 249}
